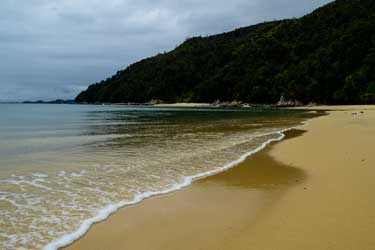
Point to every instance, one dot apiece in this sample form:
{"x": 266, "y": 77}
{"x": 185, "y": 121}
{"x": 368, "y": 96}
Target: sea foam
{"x": 104, "y": 213}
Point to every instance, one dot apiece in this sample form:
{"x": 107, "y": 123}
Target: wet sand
{"x": 313, "y": 190}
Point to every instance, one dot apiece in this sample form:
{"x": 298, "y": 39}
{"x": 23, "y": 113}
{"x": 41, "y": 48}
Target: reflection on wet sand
{"x": 208, "y": 213}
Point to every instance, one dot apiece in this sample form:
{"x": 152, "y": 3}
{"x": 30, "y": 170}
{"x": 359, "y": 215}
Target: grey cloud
{"x": 53, "y": 49}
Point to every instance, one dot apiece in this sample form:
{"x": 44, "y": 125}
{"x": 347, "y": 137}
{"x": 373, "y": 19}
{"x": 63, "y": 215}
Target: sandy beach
{"x": 183, "y": 105}
{"x": 312, "y": 190}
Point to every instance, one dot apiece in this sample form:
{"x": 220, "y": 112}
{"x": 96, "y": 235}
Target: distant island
{"x": 58, "y": 101}
{"x": 326, "y": 57}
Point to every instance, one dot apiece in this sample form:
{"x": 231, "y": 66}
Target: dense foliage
{"x": 326, "y": 57}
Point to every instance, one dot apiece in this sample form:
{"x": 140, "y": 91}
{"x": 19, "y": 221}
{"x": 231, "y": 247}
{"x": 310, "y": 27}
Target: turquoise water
{"x": 62, "y": 165}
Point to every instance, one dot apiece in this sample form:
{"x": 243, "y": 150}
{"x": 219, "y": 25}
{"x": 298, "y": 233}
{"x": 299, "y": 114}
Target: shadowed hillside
{"x": 326, "y": 57}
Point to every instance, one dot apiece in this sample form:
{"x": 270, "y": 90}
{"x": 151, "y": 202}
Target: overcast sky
{"x": 53, "y": 49}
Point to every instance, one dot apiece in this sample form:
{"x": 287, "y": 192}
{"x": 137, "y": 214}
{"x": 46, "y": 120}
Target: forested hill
{"x": 325, "y": 57}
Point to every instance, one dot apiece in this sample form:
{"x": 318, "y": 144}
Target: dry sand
{"x": 314, "y": 190}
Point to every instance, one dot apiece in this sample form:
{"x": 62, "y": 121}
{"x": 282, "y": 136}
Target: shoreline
{"x": 183, "y": 105}
{"x": 133, "y": 216}
{"x": 220, "y": 105}
{"x": 108, "y": 211}
{"x": 200, "y": 178}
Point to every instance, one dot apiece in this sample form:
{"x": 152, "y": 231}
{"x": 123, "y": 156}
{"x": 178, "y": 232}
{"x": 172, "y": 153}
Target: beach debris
{"x": 232, "y": 104}
{"x": 288, "y": 103}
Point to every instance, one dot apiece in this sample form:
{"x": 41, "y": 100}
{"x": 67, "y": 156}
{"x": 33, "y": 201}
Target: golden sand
{"x": 314, "y": 190}
{"x": 339, "y": 108}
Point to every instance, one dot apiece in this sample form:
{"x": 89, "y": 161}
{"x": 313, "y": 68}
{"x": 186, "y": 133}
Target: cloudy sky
{"x": 53, "y": 49}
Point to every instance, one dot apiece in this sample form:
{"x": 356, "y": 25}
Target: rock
{"x": 282, "y": 101}
{"x": 155, "y": 102}
{"x": 216, "y": 103}
{"x": 235, "y": 104}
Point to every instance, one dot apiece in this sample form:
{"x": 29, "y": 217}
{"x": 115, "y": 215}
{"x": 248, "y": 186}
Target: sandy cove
{"x": 313, "y": 190}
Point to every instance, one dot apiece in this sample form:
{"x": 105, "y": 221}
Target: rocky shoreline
{"x": 283, "y": 103}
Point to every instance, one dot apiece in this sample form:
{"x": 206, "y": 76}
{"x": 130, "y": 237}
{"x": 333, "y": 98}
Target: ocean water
{"x": 64, "y": 167}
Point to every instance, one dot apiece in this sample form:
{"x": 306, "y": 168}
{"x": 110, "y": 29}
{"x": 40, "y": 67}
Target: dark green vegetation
{"x": 326, "y": 57}
{"x": 58, "y": 101}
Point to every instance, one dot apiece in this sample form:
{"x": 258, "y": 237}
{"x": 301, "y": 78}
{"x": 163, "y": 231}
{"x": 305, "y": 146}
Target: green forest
{"x": 326, "y": 57}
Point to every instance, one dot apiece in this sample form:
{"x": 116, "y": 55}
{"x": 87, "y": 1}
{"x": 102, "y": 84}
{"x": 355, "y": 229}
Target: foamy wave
{"x": 186, "y": 181}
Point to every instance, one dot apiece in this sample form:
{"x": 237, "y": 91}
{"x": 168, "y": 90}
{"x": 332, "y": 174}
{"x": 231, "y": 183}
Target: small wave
{"x": 185, "y": 181}
{"x": 40, "y": 175}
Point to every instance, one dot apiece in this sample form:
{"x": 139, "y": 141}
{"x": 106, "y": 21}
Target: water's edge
{"x": 104, "y": 213}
